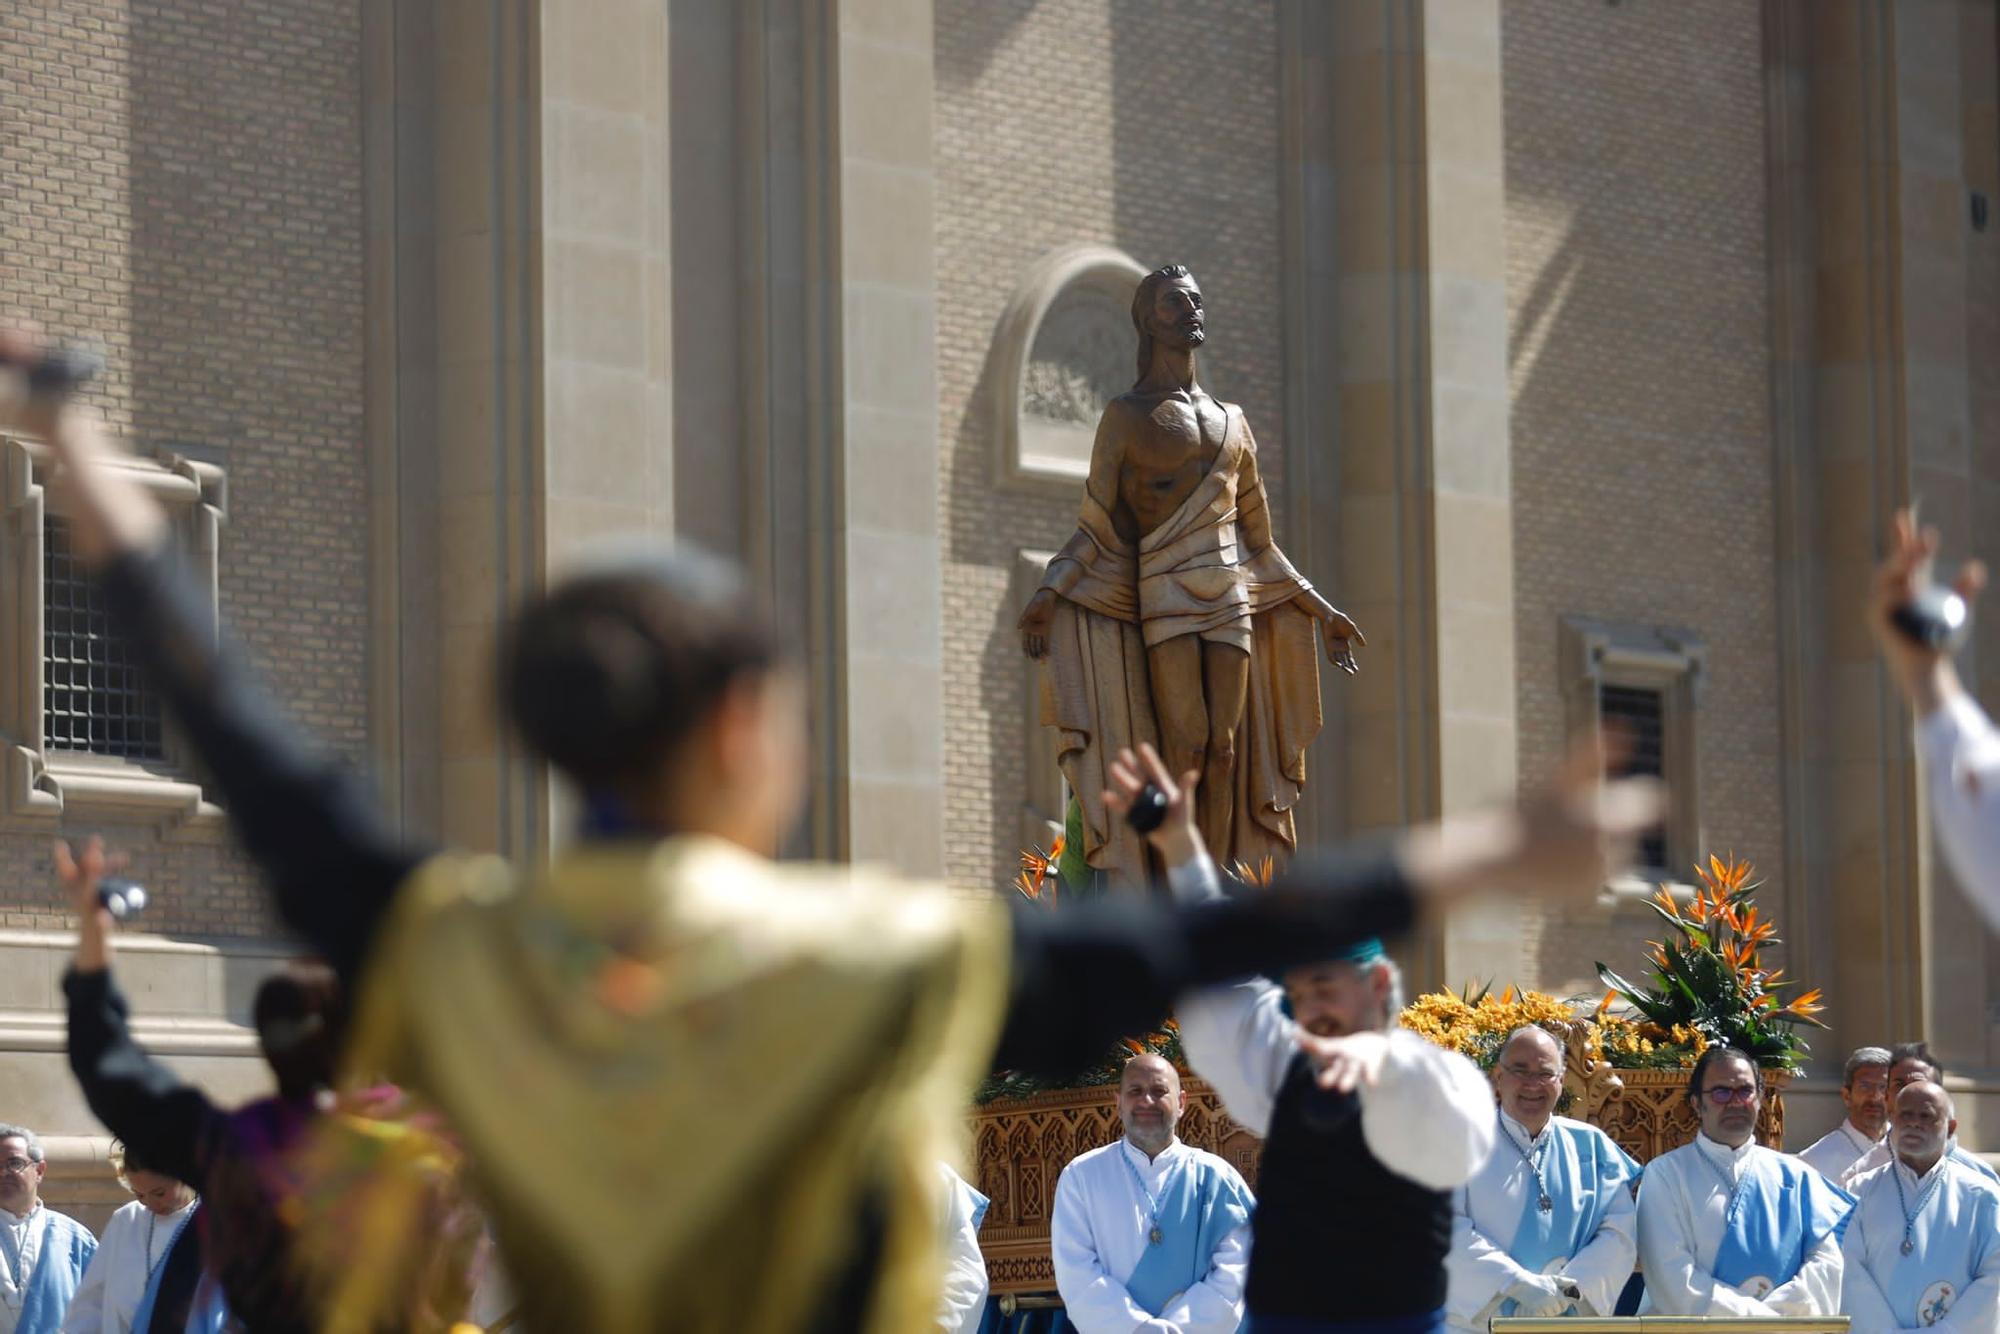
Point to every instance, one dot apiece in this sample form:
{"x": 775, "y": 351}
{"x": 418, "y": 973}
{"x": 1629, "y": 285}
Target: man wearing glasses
{"x": 42, "y": 1252}
{"x": 1864, "y": 1089}
{"x": 1730, "y": 1228}
{"x": 1547, "y": 1226}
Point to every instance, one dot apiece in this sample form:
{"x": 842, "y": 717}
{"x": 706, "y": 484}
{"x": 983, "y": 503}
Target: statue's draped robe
{"x": 1213, "y": 570}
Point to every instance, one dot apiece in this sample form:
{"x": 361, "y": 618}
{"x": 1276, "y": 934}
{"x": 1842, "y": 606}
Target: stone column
{"x": 548, "y": 246}
{"x": 1872, "y": 410}
{"x": 890, "y": 637}
{"x": 1401, "y": 165}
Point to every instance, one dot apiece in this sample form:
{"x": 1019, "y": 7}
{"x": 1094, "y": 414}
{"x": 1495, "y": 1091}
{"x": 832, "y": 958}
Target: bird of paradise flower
{"x": 1708, "y": 974}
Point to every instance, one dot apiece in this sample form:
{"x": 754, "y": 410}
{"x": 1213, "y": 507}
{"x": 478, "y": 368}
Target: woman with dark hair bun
{"x": 239, "y": 1253}
{"x": 700, "y": 1089}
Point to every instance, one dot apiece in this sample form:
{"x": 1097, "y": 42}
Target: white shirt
{"x": 133, "y": 1244}
{"x": 963, "y": 1303}
{"x": 1485, "y": 1214}
{"x": 1429, "y": 1117}
{"x": 1833, "y": 1153}
{"x": 19, "y": 1251}
{"x": 1878, "y": 1156}
{"x": 1682, "y": 1216}
{"x": 1098, "y": 1236}
{"x": 1958, "y": 1221}
{"x": 1960, "y": 750}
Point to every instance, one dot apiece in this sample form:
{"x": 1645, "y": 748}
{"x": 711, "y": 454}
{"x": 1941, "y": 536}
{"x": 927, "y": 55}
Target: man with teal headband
{"x": 1367, "y": 1127}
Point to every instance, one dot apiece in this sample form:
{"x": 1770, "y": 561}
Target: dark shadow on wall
{"x": 246, "y": 329}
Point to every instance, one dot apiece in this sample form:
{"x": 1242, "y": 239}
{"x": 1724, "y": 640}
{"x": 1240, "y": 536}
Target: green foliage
{"x": 1707, "y": 977}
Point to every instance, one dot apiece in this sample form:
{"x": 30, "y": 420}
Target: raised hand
{"x": 1177, "y": 838}
{"x": 1925, "y": 674}
{"x": 80, "y": 875}
{"x": 108, "y": 512}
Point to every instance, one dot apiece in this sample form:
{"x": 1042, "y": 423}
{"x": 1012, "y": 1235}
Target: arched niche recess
{"x": 1063, "y": 349}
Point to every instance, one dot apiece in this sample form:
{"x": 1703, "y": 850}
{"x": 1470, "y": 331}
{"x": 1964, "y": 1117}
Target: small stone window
{"x": 82, "y": 735}
{"x": 95, "y": 700}
{"x": 1644, "y": 681}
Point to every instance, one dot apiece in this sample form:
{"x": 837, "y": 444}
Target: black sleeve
{"x": 1095, "y": 972}
{"x": 167, "y": 1121}
{"x": 332, "y": 862}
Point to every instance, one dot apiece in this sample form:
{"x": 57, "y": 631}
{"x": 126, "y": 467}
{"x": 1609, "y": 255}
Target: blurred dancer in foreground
{"x": 755, "y": 1067}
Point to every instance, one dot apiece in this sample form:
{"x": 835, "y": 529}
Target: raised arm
{"x": 1101, "y": 970}
{"x": 332, "y": 863}
{"x": 1958, "y": 743}
{"x": 1098, "y": 971}
{"x": 166, "y": 1120}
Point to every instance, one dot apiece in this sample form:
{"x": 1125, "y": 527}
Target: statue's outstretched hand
{"x": 1338, "y": 629}
{"x": 1036, "y": 619}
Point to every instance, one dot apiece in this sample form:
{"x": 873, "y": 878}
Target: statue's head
{"x": 1167, "y": 308}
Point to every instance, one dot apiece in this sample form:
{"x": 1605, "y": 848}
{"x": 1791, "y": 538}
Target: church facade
{"x": 1587, "y": 347}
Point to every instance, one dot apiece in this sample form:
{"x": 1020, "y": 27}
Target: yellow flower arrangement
{"x": 1710, "y": 986}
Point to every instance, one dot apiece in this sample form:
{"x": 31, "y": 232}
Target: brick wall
{"x": 1151, "y": 126}
{"x": 184, "y": 182}
{"x": 1639, "y": 356}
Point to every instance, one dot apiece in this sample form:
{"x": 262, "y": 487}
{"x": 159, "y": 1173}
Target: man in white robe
{"x": 1864, "y": 1090}
{"x": 1912, "y": 1063}
{"x": 135, "y": 1243}
{"x": 1547, "y": 1227}
{"x": 1923, "y": 1249}
{"x": 1149, "y": 1233}
{"x": 1730, "y": 1228}
{"x": 42, "y": 1253}
{"x": 963, "y": 1303}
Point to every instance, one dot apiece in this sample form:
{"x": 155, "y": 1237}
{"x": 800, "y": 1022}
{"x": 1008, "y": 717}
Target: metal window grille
{"x": 94, "y": 697}
{"x": 1641, "y": 714}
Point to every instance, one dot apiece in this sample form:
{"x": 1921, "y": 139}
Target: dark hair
{"x": 1916, "y": 1051}
{"x": 1719, "y": 1052}
{"x": 301, "y": 1018}
{"x": 128, "y": 1159}
{"x": 1142, "y": 306}
{"x": 611, "y": 671}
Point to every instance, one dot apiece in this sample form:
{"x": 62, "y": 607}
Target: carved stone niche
{"x": 1062, "y": 350}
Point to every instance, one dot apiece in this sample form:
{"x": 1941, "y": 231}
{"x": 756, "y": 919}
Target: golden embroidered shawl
{"x": 678, "y": 1069}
